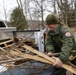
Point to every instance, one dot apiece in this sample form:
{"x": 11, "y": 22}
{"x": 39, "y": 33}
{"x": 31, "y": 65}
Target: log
{"x": 65, "y": 66}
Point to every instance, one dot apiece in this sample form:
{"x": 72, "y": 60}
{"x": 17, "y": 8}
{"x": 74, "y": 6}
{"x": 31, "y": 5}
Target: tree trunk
{"x": 42, "y": 14}
{"x": 60, "y": 5}
{"x": 66, "y": 12}
{"x": 75, "y": 12}
{"x": 4, "y": 11}
{"x": 54, "y": 7}
{"x": 20, "y": 6}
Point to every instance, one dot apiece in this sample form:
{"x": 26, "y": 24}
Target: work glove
{"x": 58, "y": 63}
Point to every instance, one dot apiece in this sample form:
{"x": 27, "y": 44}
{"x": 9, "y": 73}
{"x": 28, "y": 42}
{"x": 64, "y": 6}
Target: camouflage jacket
{"x": 62, "y": 41}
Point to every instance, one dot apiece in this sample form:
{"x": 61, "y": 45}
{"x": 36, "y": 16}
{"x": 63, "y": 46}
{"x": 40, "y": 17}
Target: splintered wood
{"x": 19, "y": 51}
{"x": 13, "y": 44}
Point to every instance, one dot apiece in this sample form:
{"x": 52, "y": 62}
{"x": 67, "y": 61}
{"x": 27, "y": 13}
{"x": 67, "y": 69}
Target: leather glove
{"x": 58, "y": 63}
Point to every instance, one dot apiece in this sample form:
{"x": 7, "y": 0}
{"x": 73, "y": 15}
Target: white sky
{"x": 9, "y": 6}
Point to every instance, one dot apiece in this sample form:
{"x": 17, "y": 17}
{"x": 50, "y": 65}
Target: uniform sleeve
{"x": 66, "y": 47}
{"x": 49, "y": 44}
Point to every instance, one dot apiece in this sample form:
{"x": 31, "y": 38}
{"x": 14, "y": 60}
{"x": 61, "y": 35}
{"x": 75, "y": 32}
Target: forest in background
{"x": 37, "y": 10}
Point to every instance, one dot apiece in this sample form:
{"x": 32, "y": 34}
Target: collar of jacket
{"x": 56, "y": 31}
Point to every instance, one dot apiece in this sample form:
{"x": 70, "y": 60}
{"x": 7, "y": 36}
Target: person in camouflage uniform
{"x": 60, "y": 40}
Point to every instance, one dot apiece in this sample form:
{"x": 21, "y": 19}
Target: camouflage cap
{"x": 51, "y": 19}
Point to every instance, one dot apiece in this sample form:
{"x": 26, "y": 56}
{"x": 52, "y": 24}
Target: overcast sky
{"x": 9, "y": 6}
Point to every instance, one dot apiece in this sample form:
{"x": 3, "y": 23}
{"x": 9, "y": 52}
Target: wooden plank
{"x": 65, "y": 66}
{"x": 8, "y": 46}
{"x": 6, "y": 42}
{"x": 9, "y": 60}
{"x": 28, "y": 56}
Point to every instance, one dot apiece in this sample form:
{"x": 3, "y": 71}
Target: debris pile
{"x": 16, "y": 51}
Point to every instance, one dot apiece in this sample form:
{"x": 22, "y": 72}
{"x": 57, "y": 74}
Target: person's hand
{"x": 50, "y": 54}
{"x": 58, "y": 63}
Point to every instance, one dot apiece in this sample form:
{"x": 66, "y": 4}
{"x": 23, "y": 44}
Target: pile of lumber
{"x": 19, "y": 51}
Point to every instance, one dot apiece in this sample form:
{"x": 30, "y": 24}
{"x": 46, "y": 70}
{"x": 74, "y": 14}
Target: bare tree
{"x": 4, "y": 11}
{"x": 66, "y": 11}
{"x": 60, "y": 5}
{"x": 42, "y": 15}
{"x": 54, "y": 5}
{"x": 38, "y": 11}
{"x": 75, "y": 11}
{"x": 19, "y": 2}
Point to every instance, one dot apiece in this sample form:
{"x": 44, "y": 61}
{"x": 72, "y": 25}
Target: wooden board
{"x": 28, "y": 56}
{"x": 7, "y": 43}
{"x": 65, "y": 66}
